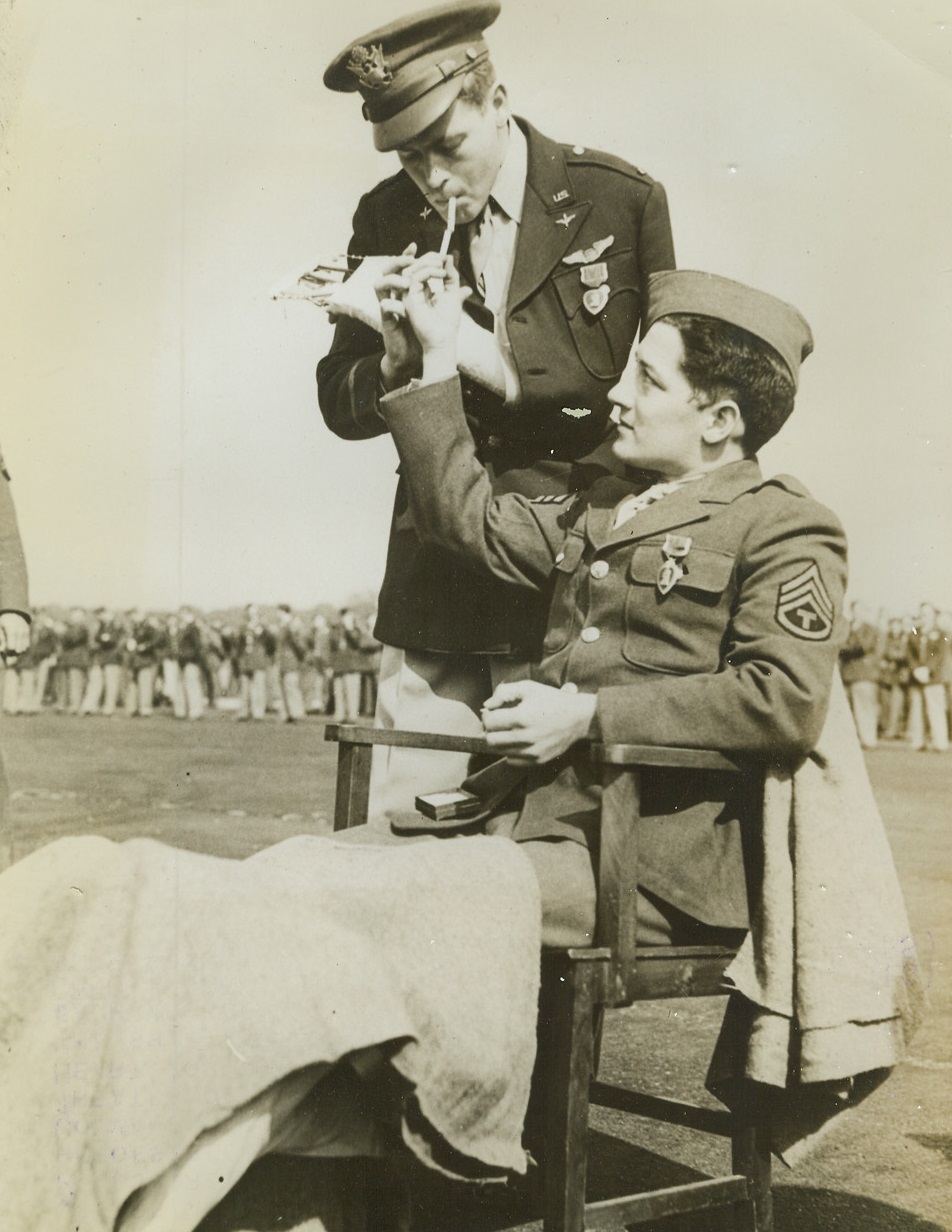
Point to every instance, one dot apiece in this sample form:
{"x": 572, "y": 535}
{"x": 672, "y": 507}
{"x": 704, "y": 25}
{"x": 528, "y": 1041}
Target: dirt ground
{"x": 229, "y": 789}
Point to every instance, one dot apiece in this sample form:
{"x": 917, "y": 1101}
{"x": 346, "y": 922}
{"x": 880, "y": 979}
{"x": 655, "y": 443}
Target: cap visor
{"x": 405, "y": 125}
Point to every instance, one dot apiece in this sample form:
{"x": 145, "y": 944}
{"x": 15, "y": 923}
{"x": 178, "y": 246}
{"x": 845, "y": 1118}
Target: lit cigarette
{"x": 435, "y": 285}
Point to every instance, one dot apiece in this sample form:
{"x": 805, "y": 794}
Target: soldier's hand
{"x": 533, "y": 723}
{"x": 402, "y": 354}
{"x": 434, "y": 307}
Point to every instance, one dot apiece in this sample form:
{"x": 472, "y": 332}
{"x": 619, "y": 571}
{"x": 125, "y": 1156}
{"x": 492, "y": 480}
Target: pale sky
{"x": 166, "y": 162}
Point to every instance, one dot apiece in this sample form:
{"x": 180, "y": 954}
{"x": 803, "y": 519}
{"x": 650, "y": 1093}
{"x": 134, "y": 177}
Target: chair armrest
{"x": 357, "y": 734}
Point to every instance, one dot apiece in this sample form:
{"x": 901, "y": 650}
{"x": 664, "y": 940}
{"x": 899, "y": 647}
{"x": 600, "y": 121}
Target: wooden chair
{"x": 616, "y": 971}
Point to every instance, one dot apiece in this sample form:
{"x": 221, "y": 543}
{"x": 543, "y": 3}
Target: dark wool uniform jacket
{"x": 738, "y": 656}
{"x": 566, "y": 357}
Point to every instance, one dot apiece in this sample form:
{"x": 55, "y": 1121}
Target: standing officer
{"x": 929, "y": 652}
{"x": 859, "y": 667}
{"x": 556, "y": 242}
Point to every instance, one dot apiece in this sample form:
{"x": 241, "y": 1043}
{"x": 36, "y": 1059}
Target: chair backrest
{"x": 642, "y": 972}
{"x": 632, "y": 972}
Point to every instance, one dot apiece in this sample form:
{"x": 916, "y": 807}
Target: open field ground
{"x": 231, "y": 788}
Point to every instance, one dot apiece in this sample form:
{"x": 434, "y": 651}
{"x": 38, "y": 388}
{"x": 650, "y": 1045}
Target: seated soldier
{"x": 702, "y": 610}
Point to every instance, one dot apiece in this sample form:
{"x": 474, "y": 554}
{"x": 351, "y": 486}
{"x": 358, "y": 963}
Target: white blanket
{"x": 146, "y": 993}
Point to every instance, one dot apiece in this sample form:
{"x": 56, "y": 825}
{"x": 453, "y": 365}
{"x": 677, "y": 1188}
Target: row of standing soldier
{"x": 106, "y": 662}
{"x": 898, "y": 674}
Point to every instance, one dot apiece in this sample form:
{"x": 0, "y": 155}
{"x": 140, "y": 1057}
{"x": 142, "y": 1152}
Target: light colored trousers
{"x": 927, "y": 712}
{"x": 864, "y": 702}
{"x": 441, "y": 693}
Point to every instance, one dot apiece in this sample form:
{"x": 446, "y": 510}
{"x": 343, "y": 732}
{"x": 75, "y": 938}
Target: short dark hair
{"x": 724, "y": 361}
{"x": 478, "y": 83}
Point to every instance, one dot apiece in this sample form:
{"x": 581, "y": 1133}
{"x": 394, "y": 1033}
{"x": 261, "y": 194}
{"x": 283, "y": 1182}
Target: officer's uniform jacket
{"x": 738, "y": 656}
{"x": 566, "y": 356}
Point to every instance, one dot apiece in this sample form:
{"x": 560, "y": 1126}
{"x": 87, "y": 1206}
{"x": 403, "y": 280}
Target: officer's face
{"x": 460, "y": 156}
{"x": 659, "y": 418}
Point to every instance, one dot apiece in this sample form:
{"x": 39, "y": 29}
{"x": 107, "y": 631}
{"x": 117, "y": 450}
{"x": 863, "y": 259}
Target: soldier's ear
{"x": 724, "y": 422}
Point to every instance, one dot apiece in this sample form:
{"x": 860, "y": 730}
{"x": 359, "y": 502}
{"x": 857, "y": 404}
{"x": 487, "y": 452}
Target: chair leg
{"x": 566, "y": 1043}
{"x": 750, "y": 1156}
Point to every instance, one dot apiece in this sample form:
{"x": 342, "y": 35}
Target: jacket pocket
{"x": 563, "y": 607}
{"x": 602, "y": 332}
{"x": 683, "y": 631}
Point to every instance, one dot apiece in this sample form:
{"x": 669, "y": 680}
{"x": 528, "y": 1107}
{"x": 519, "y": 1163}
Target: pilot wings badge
{"x": 585, "y": 256}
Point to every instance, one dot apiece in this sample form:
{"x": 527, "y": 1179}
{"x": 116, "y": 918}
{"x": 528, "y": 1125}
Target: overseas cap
{"x": 411, "y": 71}
{"x": 778, "y": 324}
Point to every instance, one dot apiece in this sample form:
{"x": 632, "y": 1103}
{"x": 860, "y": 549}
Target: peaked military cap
{"x": 777, "y": 323}
{"x": 411, "y": 71}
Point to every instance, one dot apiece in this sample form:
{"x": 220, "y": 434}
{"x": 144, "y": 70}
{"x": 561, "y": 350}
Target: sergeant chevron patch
{"x": 804, "y": 606}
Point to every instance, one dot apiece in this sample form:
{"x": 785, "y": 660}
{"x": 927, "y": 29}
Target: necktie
{"x": 634, "y": 504}
{"x": 481, "y": 245}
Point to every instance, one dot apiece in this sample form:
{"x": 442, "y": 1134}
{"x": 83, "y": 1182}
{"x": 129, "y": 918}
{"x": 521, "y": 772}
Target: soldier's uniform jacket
{"x": 929, "y": 649}
{"x": 860, "y": 656}
{"x": 567, "y": 357}
{"x": 739, "y": 655}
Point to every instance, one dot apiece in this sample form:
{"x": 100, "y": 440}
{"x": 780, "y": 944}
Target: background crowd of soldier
{"x": 254, "y": 663}
{"x": 898, "y": 674}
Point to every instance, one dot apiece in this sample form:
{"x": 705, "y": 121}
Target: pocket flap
{"x": 704, "y": 568}
{"x": 570, "y": 553}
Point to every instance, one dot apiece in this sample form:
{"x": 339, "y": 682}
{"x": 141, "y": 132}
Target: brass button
{"x": 560, "y": 558}
{"x": 591, "y": 634}
{"x": 599, "y": 569}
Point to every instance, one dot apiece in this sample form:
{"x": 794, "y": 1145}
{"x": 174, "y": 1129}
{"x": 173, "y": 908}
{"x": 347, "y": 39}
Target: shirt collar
{"x": 509, "y": 190}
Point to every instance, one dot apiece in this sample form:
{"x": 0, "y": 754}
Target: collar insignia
{"x": 564, "y": 220}
{"x": 369, "y": 67}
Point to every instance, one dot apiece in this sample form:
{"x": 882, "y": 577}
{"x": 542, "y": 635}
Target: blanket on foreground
{"x": 146, "y": 993}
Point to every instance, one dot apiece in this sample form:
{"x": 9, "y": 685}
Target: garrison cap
{"x": 772, "y": 320}
{"x": 411, "y": 71}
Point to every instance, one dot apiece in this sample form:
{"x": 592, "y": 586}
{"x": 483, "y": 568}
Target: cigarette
{"x": 450, "y": 227}
{"x": 435, "y": 285}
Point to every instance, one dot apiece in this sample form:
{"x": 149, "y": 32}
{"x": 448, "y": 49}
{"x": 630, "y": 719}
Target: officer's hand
{"x": 14, "y": 635}
{"x": 402, "y": 355}
{"x": 534, "y": 723}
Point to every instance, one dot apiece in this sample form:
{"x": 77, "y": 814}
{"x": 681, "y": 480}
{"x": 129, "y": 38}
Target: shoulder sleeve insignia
{"x": 804, "y": 606}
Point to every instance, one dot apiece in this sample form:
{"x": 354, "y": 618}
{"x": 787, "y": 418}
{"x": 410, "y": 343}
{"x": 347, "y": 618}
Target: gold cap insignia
{"x": 369, "y": 67}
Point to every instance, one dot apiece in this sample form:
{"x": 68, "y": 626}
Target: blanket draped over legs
{"x": 148, "y": 994}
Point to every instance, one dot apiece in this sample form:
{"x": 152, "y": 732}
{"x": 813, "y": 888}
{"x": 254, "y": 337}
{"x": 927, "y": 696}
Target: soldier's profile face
{"x": 657, "y": 412}
{"x": 459, "y": 156}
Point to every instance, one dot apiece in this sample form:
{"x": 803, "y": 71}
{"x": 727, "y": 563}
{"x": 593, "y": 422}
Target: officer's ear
{"x": 724, "y": 422}
{"x": 499, "y": 102}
